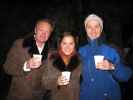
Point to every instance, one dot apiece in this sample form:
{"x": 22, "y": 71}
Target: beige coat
{"x": 24, "y": 85}
{"x": 50, "y": 76}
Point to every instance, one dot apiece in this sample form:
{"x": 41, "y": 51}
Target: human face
{"x": 42, "y": 32}
{"x": 93, "y": 29}
{"x": 67, "y": 45}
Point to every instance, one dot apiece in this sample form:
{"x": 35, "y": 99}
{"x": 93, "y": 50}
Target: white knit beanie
{"x": 94, "y": 17}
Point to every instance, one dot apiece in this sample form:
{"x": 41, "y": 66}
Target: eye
{"x": 64, "y": 43}
{"x": 88, "y": 27}
{"x": 71, "y": 43}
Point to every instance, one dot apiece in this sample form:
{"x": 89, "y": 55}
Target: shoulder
{"x": 52, "y": 54}
{"x": 28, "y": 41}
{"x": 109, "y": 48}
{"x": 18, "y": 42}
{"x": 76, "y": 58}
{"x": 83, "y": 48}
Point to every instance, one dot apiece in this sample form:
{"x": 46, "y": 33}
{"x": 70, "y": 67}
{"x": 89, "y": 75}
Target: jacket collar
{"x": 30, "y": 43}
{"x": 60, "y": 65}
{"x": 97, "y": 42}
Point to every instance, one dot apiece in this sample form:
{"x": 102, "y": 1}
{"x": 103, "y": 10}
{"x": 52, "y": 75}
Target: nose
{"x": 43, "y": 33}
{"x": 68, "y": 47}
{"x": 93, "y": 29}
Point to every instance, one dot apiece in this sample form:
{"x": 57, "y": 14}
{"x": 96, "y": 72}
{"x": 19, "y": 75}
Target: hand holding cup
{"x": 102, "y": 63}
{"x": 35, "y": 61}
{"x": 64, "y": 79}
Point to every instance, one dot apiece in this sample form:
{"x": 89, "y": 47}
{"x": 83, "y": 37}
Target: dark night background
{"x": 17, "y": 18}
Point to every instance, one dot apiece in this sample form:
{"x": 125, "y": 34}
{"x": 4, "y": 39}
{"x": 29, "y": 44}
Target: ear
{"x": 35, "y": 30}
{"x": 34, "y": 35}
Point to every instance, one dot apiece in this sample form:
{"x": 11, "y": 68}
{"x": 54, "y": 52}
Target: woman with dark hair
{"x": 61, "y": 62}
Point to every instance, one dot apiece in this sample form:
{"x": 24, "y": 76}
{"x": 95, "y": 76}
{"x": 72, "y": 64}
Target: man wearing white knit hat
{"x": 100, "y": 76}
{"x": 94, "y": 17}
{"x": 95, "y": 31}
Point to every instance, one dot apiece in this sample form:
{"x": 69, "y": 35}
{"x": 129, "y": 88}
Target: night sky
{"x": 17, "y": 18}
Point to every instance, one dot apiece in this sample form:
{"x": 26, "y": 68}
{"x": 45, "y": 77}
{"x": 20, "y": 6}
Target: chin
{"x": 43, "y": 40}
{"x": 68, "y": 54}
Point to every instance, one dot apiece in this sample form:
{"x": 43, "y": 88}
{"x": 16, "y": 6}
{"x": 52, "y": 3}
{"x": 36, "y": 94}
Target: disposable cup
{"x": 37, "y": 56}
{"x": 66, "y": 74}
{"x": 98, "y": 59}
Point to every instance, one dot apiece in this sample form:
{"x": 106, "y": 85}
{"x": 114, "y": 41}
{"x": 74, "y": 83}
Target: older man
{"x": 24, "y": 62}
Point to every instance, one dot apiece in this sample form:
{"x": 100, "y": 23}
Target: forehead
{"x": 68, "y": 39}
{"x": 43, "y": 24}
{"x": 93, "y": 22}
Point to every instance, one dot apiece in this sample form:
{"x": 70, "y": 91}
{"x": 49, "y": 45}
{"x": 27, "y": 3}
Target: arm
{"x": 15, "y": 60}
{"x": 122, "y": 72}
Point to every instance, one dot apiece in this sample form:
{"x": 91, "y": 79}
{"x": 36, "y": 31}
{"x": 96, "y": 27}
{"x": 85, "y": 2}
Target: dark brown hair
{"x": 64, "y": 34}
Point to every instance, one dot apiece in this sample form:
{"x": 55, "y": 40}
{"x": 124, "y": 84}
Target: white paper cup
{"x": 98, "y": 59}
{"x": 37, "y": 56}
{"x": 66, "y": 74}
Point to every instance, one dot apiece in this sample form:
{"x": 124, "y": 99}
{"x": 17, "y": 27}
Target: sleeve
{"x": 25, "y": 67}
{"x": 121, "y": 72}
{"x": 15, "y": 60}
